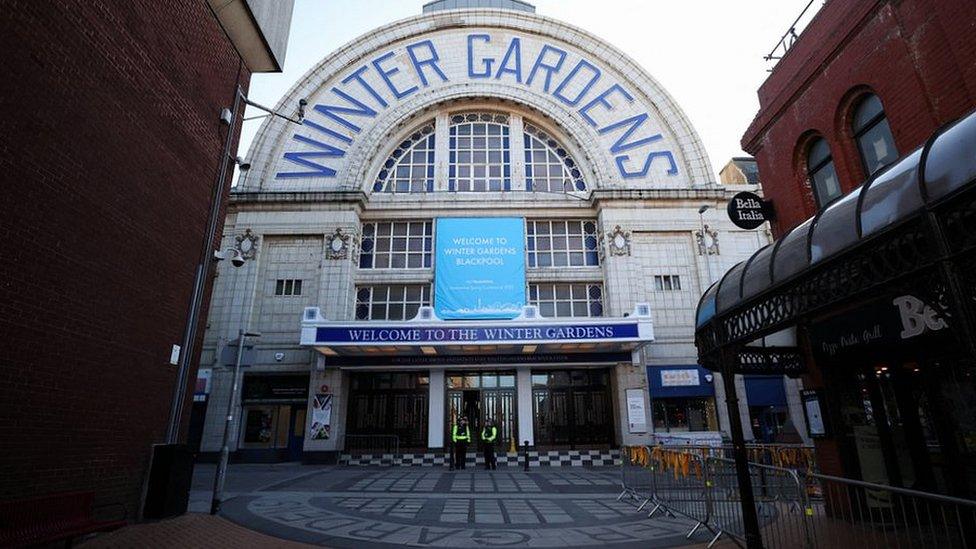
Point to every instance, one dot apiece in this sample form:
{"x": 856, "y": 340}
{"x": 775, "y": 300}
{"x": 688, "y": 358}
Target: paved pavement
{"x": 355, "y": 507}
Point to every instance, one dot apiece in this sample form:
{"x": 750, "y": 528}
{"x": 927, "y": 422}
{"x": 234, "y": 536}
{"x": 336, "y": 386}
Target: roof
{"x": 747, "y": 165}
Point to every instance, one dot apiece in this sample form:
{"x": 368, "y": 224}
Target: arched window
{"x": 820, "y": 169}
{"x": 548, "y": 167}
{"x": 479, "y": 153}
{"x": 410, "y": 168}
{"x": 873, "y": 135}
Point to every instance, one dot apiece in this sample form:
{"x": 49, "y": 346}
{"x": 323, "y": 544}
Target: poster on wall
{"x": 322, "y": 417}
{"x": 636, "y": 413}
{"x": 479, "y": 268}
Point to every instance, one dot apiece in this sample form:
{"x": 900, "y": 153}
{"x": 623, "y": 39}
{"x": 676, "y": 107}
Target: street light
{"x": 237, "y": 259}
{"x": 218, "y": 487}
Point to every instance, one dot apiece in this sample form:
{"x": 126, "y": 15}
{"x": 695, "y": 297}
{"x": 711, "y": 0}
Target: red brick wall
{"x": 109, "y": 149}
{"x": 918, "y": 56}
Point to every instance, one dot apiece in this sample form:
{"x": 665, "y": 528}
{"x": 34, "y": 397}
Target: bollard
{"x": 525, "y": 452}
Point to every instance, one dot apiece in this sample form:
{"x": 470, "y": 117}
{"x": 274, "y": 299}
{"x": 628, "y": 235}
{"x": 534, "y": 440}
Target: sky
{"x": 708, "y": 54}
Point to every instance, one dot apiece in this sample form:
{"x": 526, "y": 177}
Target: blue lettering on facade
{"x": 432, "y": 59}
{"x": 487, "y": 62}
{"x": 548, "y": 69}
{"x": 514, "y": 52}
{"x": 387, "y": 76}
{"x": 574, "y": 88}
{"x": 595, "y": 74}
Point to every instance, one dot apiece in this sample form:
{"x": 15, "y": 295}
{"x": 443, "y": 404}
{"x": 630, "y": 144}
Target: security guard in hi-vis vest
{"x": 488, "y": 435}
{"x": 460, "y": 436}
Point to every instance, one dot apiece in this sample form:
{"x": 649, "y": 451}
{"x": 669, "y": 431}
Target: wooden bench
{"x": 51, "y": 518}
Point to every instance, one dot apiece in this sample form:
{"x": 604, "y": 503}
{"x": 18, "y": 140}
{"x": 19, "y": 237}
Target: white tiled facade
{"x": 295, "y": 218}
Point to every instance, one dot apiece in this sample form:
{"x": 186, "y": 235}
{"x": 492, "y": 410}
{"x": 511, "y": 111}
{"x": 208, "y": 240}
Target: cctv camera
{"x": 244, "y": 166}
{"x": 237, "y": 260}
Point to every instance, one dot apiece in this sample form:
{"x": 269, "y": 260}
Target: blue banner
{"x": 479, "y": 270}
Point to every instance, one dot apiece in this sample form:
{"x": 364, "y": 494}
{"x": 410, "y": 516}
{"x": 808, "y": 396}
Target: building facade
{"x": 864, "y": 142}
{"x": 486, "y": 213}
{"x": 865, "y": 83}
{"x": 112, "y": 146}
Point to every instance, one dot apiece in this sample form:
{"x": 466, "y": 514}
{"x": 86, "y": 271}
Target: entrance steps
{"x": 544, "y": 458}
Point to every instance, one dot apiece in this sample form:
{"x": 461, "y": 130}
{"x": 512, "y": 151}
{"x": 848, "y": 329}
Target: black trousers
{"x": 460, "y": 453}
{"x": 489, "y": 450}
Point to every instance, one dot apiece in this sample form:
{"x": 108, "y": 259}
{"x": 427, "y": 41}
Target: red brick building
{"x": 865, "y": 84}
{"x": 110, "y": 148}
{"x": 918, "y": 57}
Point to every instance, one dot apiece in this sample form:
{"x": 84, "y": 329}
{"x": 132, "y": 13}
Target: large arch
{"x": 631, "y": 132}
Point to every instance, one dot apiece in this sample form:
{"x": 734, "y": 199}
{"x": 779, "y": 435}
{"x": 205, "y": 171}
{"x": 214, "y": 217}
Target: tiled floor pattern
{"x": 354, "y": 507}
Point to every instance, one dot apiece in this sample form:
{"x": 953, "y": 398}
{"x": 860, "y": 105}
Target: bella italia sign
{"x": 480, "y": 268}
{"x": 628, "y": 129}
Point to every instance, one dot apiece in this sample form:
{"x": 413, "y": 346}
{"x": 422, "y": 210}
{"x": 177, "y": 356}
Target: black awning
{"x": 764, "y": 293}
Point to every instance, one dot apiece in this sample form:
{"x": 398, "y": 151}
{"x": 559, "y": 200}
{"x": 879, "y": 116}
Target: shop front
{"x": 683, "y": 402}
{"x": 872, "y": 302}
{"x": 274, "y": 409}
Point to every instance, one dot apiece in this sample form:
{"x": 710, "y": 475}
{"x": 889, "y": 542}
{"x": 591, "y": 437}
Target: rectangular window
{"x": 288, "y": 286}
{"x": 667, "y": 283}
{"x": 564, "y": 243}
{"x": 397, "y": 245}
{"x": 567, "y": 300}
{"x": 391, "y": 301}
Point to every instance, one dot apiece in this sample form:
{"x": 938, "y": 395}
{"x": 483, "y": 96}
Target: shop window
{"x": 548, "y": 166}
{"x": 288, "y": 287}
{"x": 675, "y": 415}
{"x": 391, "y": 301}
{"x": 396, "y": 245}
{"x": 565, "y": 243}
{"x": 479, "y": 153}
{"x": 567, "y": 300}
{"x": 667, "y": 283}
{"x": 822, "y": 174}
{"x": 410, "y": 167}
{"x": 873, "y": 135}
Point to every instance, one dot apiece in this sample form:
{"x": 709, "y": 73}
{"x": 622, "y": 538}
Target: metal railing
{"x": 793, "y": 32}
{"x": 385, "y": 446}
{"x": 796, "y": 506}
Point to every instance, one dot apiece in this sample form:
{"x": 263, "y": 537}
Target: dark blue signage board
{"x": 534, "y": 333}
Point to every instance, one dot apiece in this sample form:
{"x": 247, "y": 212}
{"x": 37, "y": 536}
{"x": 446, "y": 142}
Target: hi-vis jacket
{"x": 465, "y": 436}
{"x": 489, "y": 434}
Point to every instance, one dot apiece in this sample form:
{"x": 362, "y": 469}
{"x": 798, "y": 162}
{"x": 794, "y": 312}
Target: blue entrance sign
{"x": 479, "y": 270}
{"x": 476, "y": 334}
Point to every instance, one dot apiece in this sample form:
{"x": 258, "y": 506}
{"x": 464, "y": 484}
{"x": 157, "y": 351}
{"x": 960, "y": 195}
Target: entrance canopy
{"x": 528, "y": 339}
{"x": 905, "y": 232}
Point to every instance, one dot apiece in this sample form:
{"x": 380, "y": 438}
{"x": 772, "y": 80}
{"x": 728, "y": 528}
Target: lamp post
{"x": 218, "y": 487}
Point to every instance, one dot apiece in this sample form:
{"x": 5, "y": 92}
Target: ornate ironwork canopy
{"x": 911, "y": 226}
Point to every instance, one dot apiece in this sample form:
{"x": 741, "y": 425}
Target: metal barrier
{"x": 796, "y": 508}
{"x": 387, "y": 446}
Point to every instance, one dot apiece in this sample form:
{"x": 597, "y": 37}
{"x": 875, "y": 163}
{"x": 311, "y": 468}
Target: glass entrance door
{"x": 572, "y": 408}
{"x": 480, "y": 396}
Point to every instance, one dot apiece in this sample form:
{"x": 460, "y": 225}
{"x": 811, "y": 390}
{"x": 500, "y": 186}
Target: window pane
{"x": 877, "y": 147}
{"x": 825, "y": 184}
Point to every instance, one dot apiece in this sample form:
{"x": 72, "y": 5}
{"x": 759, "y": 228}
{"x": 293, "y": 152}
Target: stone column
{"x": 525, "y": 424}
{"x": 435, "y": 415}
